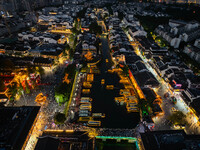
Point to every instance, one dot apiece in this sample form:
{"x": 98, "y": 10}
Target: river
{"x": 103, "y": 99}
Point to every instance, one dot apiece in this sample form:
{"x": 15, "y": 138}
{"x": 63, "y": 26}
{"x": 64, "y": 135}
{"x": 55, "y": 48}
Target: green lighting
{"x": 119, "y": 138}
{"x": 115, "y": 137}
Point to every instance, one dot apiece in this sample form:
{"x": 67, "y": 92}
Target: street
{"x": 162, "y": 122}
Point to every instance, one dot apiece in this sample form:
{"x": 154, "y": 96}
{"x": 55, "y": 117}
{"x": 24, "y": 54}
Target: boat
{"x": 110, "y": 71}
{"x": 102, "y": 81}
{"x": 125, "y": 92}
{"x": 98, "y": 115}
{"x": 86, "y": 98}
{"x": 86, "y": 91}
{"x": 86, "y": 106}
{"x": 83, "y": 115}
{"x": 84, "y": 111}
{"x": 119, "y": 99}
{"x": 94, "y": 123}
{"x": 85, "y": 119}
{"x": 84, "y": 101}
{"x": 87, "y": 85}
{"x": 90, "y": 77}
{"x": 110, "y": 87}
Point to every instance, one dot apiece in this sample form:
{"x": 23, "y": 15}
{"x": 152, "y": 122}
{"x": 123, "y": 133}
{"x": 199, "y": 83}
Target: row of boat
{"x": 85, "y": 114}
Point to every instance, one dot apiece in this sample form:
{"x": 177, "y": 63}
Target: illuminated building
{"x": 169, "y": 139}
{"x": 61, "y": 28}
{"x": 19, "y": 121}
{"x": 63, "y": 139}
{"x": 37, "y": 37}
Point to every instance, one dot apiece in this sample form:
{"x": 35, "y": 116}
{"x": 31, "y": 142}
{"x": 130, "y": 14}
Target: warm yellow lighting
{"x": 49, "y": 130}
{"x": 69, "y": 131}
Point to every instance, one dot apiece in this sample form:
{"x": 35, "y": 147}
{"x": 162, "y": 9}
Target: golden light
{"x": 88, "y": 56}
{"x": 69, "y": 131}
{"x": 92, "y": 132}
{"x": 48, "y": 130}
{"x": 40, "y": 98}
{"x": 65, "y": 79}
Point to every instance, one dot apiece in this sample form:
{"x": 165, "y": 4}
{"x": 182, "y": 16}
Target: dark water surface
{"x": 103, "y": 100}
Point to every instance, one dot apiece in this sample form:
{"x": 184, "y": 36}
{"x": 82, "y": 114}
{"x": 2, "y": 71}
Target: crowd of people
{"x": 117, "y": 132}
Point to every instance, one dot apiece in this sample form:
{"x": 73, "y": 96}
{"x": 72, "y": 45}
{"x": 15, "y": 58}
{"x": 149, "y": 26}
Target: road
{"x": 161, "y": 122}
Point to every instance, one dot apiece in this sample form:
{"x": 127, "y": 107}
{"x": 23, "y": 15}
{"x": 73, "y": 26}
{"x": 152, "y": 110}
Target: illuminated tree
{"x": 20, "y": 89}
{"x": 59, "y": 98}
{"x": 12, "y": 91}
{"x": 144, "y": 106}
{"x": 92, "y": 132}
{"x": 125, "y": 69}
{"x": 27, "y": 89}
{"x": 89, "y": 56}
{"x": 63, "y": 91}
{"x": 40, "y": 98}
{"x": 65, "y": 79}
{"x": 59, "y": 118}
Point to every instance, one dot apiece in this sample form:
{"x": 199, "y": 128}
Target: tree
{"x": 108, "y": 6}
{"x": 81, "y": 13}
{"x": 66, "y": 79}
{"x": 27, "y": 87}
{"x": 41, "y": 70}
{"x": 70, "y": 70}
{"x": 74, "y": 30}
{"x": 62, "y": 93}
{"x": 75, "y": 42}
{"x": 12, "y": 90}
{"x": 30, "y": 69}
{"x": 95, "y": 28}
{"x": 178, "y": 118}
{"x": 71, "y": 53}
{"x": 120, "y": 15}
{"x": 6, "y": 64}
{"x": 59, "y": 118}
{"x": 67, "y": 47}
{"x": 20, "y": 89}
{"x": 125, "y": 70}
{"x": 88, "y": 56}
{"x": 2, "y": 85}
{"x": 60, "y": 98}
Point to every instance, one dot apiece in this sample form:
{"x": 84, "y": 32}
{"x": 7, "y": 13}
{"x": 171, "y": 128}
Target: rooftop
{"x": 170, "y": 140}
{"x": 15, "y": 125}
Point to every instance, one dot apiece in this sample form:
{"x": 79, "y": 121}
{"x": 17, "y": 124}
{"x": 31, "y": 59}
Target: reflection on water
{"x": 103, "y": 100}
